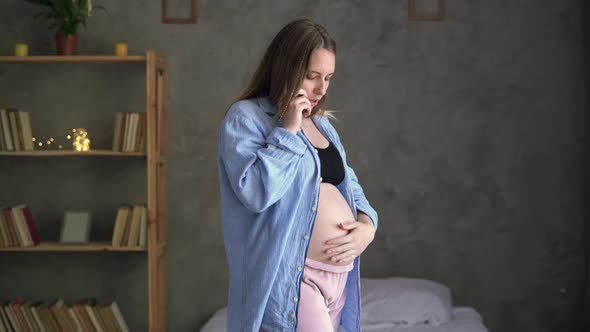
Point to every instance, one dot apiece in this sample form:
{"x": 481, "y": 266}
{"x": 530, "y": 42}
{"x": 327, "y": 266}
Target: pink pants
{"x": 322, "y": 296}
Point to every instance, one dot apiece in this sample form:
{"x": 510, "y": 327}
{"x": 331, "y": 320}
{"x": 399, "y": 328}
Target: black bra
{"x": 332, "y": 167}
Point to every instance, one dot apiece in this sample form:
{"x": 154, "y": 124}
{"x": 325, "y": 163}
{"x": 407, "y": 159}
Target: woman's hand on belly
{"x": 345, "y": 248}
{"x": 332, "y": 211}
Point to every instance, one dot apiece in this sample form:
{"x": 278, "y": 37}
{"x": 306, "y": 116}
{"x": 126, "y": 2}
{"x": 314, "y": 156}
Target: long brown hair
{"x": 284, "y": 65}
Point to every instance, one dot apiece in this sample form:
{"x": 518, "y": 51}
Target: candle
{"x": 21, "y": 49}
{"x": 121, "y": 49}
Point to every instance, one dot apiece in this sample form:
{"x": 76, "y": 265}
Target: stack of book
{"x": 15, "y": 131}
{"x": 130, "y": 132}
{"x": 130, "y": 226}
{"x": 84, "y": 316}
{"x": 17, "y": 228}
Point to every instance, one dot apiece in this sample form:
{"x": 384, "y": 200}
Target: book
{"x": 12, "y": 116}
{"x": 125, "y": 236}
{"x": 31, "y": 225}
{"x": 48, "y": 318}
{"x": 12, "y": 317}
{"x": 63, "y": 321}
{"x": 74, "y": 319}
{"x": 37, "y": 317}
{"x": 4, "y": 320}
{"x": 119, "y": 317}
{"x": 134, "y": 118}
{"x": 4, "y": 242}
{"x": 107, "y": 317}
{"x": 82, "y": 314}
{"x": 134, "y": 227}
{"x": 5, "y": 123}
{"x": 15, "y": 305}
{"x": 25, "y": 307}
{"x": 120, "y": 225}
{"x": 3, "y": 146}
{"x": 93, "y": 317}
{"x": 14, "y": 238}
{"x": 141, "y": 131}
{"x": 125, "y": 130}
{"x": 21, "y": 226}
{"x": 27, "y": 133}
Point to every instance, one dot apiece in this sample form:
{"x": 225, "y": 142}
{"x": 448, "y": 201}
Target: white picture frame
{"x": 75, "y": 227}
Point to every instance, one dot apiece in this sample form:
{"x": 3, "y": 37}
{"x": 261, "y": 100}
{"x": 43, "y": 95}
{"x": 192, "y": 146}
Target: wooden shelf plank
{"x": 73, "y": 59}
{"x": 54, "y": 153}
{"x": 93, "y": 246}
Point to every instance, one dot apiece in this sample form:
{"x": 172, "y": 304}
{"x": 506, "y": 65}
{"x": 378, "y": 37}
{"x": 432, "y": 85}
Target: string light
{"x": 81, "y": 141}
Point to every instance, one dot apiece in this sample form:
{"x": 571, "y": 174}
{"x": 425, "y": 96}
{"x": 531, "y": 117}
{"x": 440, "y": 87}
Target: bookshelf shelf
{"x": 74, "y": 59}
{"x": 154, "y": 80}
{"x": 65, "y": 153}
{"x": 54, "y": 246}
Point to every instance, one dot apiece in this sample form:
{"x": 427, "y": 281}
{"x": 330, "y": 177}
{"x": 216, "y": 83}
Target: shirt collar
{"x": 267, "y": 106}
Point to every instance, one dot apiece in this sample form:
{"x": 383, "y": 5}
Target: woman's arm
{"x": 360, "y": 233}
{"x": 260, "y": 169}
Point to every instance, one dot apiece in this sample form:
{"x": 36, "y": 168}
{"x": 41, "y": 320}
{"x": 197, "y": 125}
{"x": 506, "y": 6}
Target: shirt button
{"x": 295, "y": 299}
{"x": 316, "y": 150}
{"x": 313, "y": 208}
{"x": 292, "y": 315}
{"x": 321, "y": 179}
{"x": 292, "y": 322}
{"x": 299, "y": 268}
{"x": 306, "y": 237}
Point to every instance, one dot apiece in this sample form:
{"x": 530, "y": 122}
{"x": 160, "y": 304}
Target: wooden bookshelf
{"x": 155, "y": 163}
{"x": 93, "y": 246}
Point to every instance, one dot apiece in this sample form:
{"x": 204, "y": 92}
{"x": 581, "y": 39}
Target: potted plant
{"x": 65, "y": 17}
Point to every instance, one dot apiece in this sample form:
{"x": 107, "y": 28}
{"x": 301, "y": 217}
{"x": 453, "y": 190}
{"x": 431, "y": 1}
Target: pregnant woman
{"x": 295, "y": 219}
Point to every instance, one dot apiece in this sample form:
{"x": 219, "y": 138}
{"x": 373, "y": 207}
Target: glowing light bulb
{"x": 81, "y": 141}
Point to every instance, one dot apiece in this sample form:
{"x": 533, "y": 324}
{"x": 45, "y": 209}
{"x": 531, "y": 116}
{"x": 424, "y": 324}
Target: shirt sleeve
{"x": 360, "y": 200}
{"x": 259, "y": 167}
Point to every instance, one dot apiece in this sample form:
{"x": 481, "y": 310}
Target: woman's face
{"x": 319, "y": 72}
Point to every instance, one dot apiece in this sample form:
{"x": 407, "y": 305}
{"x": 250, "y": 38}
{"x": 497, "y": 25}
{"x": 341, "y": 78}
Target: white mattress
{"x": 464, "y": 319}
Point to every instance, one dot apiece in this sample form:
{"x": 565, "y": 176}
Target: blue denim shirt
{"x": 270, "y": 184}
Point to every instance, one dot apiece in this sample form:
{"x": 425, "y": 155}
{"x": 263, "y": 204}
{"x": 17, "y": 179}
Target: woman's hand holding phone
{"x": 297, "y": 109}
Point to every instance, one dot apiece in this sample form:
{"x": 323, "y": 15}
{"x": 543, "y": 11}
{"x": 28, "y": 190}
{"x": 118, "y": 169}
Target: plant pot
{"x": 66, "y": 45}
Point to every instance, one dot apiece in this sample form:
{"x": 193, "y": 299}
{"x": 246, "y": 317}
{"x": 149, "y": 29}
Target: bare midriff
{"x": 332, "y": 210}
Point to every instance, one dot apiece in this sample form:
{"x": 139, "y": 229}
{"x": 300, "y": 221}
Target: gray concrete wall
{"x": 466, "y": 134}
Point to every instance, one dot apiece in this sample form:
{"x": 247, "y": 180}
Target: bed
{"x": 400, "y": 305}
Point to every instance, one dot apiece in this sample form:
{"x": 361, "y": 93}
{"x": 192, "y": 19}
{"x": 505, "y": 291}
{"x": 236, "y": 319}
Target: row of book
{"x": 130, "y": 228}
{"x": 82, "y": 316}
{"x": 130, "y": 132}
{"x": 17, "y": 228}
{"x": 15, "y": 131}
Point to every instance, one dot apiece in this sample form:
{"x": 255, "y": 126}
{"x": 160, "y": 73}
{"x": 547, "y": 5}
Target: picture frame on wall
{"x": 191, "y": 18}
{"x": 75, "y": 227}
{"x": 415, "y": 14}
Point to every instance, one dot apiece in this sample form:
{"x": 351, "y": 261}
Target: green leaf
{"x": 65, "y": 16}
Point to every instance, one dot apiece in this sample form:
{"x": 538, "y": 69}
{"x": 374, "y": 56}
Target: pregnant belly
{"x": 332, "y": 210}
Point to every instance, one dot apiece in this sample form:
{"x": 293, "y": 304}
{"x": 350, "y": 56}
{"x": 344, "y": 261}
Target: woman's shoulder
{"x": 247, "y": 115}
{"x": 245, "y": 108}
